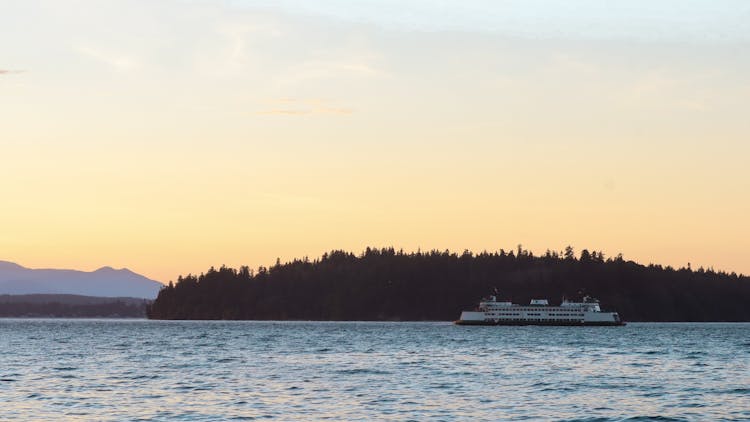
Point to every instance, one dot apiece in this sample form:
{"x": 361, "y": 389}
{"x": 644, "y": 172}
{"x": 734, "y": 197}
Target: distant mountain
{"x": 104, "y": 282}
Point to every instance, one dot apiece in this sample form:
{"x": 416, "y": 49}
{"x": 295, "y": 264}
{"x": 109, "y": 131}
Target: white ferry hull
{"x": 543, "y": 323}
{"x": 539, "y": 312}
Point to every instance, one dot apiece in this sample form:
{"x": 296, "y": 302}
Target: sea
{"x": 119, "y": 370}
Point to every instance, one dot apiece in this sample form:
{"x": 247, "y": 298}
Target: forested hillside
{"x": 385, "y": 284}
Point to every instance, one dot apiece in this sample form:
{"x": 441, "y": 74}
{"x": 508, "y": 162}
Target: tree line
{"x": 386, "y": 284}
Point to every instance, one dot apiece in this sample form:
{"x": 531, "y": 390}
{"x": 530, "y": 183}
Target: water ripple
{"x": 195, "y": 371}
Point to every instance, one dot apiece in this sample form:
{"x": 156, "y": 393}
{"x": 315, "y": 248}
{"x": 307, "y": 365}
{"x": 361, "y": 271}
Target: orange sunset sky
{"x": 170, "y": 136}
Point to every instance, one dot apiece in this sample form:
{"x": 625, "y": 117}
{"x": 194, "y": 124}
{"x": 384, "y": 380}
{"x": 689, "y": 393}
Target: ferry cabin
{"x": 540, "y": 312}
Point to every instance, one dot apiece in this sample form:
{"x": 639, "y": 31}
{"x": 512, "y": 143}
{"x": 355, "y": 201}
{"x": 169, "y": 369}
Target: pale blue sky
{"x": 644, "y": 20}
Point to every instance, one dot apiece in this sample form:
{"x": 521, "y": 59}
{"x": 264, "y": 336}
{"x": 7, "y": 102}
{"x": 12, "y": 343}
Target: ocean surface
{"x": 166, "y": 370}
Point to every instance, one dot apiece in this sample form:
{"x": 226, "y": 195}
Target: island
{"x": 384, "y": 284}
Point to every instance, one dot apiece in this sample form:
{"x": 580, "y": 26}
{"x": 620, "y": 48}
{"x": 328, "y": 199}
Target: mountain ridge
{"x": 106, "y": 281}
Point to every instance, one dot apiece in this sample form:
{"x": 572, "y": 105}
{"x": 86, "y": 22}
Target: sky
{"x": 170, "y": 136}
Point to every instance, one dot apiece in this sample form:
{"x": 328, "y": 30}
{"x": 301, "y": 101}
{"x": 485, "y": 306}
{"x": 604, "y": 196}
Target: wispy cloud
{"x": 237, "y": 47}
{"x": 118, "y": 61}
{"x": 663, "y": 88}
{"x": 288, "y": 112}
{"x": 295, "y": 107}
{"x": 572, "y": 63}
{"x": 299, "y": 112}
{"x": 353, "y": 66}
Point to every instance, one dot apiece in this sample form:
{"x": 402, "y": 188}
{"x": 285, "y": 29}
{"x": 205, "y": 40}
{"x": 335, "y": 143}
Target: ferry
{"x": 539, "y": 312}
